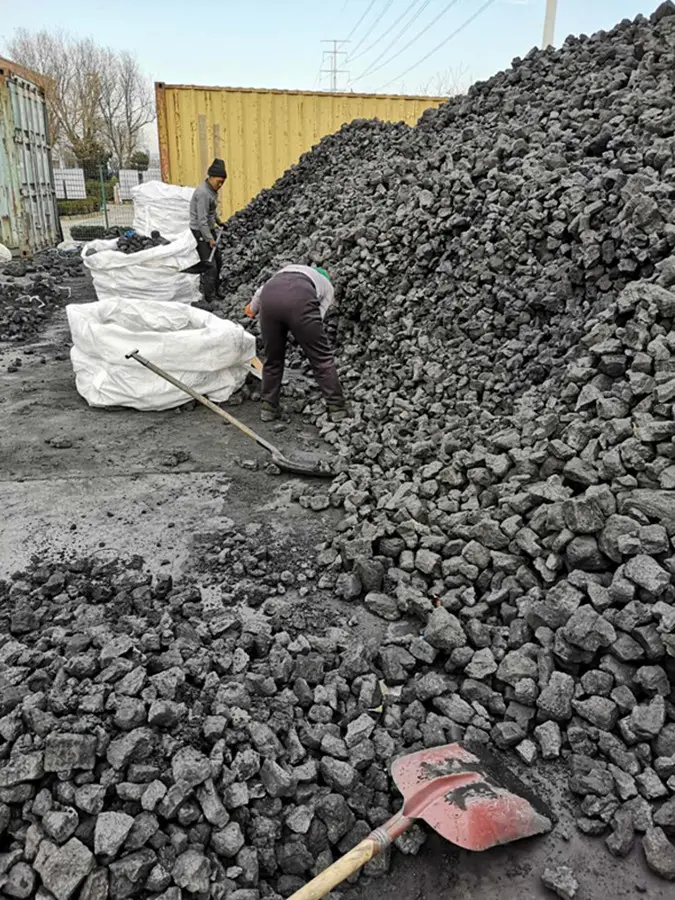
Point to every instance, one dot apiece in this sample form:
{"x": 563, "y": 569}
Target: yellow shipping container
{"x": 259, "y": 133}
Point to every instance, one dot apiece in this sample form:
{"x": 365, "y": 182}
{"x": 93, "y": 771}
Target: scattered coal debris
{"x": 59, "y": 264}
{"x": 27, "y": 303}
{"x": 32, "y": 288}
{"x": 156, "y": 738}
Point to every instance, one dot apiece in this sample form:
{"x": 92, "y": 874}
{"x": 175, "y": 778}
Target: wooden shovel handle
{"x": 332, "y": 876}
{"x": 351, "y": 862}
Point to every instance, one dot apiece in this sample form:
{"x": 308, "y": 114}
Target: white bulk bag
{"x": 209, "y": 354}
{"x": 152, "y": 274}
{"x": 5, "y": 254}
{"x": 161, "y": 207}
{"x": 69, "y": 246}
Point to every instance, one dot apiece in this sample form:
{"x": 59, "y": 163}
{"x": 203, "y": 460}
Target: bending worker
{"x": 296, "y": 299}
{"x": 203, "y": 221}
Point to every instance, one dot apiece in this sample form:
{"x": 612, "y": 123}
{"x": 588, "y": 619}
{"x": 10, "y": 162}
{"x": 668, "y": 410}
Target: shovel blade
{"x": 312, "y": 470}
{"x": 255, "y": 367}
{"x": 468, "y": 797}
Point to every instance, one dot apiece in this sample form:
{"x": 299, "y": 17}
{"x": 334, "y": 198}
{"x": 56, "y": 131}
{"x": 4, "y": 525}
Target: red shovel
{"x": 465, "y": 796}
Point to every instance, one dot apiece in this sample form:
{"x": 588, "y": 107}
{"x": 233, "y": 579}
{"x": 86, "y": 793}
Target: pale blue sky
{"x": 276, "y": 43}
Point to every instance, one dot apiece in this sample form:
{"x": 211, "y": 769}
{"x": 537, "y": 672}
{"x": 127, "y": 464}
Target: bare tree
{"x": 98, "y": 99}
{"x": 450, "y": 83}
{"x": 125, "y": 103}
{"x": 45, "y": 53}
{"x": 80, "y": 107}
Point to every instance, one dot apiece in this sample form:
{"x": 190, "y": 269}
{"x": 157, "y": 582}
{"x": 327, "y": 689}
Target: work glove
{"x": 248, "y": 311}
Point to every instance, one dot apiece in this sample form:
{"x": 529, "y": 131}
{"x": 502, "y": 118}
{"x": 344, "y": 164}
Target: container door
{"x": 40, "y": 227}
{"x": 11, "y": 213}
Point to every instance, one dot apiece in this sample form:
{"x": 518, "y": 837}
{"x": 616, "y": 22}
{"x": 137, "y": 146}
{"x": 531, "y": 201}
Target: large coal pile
{"x": 506, "y": 331}
{"x": 483, "y": 238}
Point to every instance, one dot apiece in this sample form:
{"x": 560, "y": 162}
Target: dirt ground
{"x": 83, "y": 480}
{"x": 75, "y": 480}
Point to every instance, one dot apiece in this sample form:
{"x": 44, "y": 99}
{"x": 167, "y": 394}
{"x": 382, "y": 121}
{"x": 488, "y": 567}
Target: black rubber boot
{"x": 338, "y": 413}
{"x": 269, "y": 413}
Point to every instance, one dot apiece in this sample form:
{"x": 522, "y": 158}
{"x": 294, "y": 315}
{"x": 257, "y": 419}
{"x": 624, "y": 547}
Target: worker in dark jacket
{"x": 296, "y": 299}
{"x": 203, "y": 222}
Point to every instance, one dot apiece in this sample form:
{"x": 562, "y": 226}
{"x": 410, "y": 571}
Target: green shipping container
{"x": 29, "y": 219}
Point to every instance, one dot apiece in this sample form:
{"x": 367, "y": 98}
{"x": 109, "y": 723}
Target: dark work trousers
{"x": 288, "y": 302}
{"x": 210, "y": 271}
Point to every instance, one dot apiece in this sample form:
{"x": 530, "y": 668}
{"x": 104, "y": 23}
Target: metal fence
{"x": 113, "y": 215}
{"x": 69, "y": 184}
{"x": 129, "y": 178}
{"x": 112, "y": 197}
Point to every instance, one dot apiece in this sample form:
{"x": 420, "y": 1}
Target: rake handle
{"x": 215, "y": 247}
{"x": 351, "y": 862}
{"x": 230, "y": 419}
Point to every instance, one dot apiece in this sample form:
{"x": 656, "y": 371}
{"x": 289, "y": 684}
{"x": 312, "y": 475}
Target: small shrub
{"x": 77, "y": 207}
{"x": 93, "y": 189}
{"x": 87, "y": 232}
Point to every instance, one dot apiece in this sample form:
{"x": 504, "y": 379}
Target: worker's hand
{"x": 248, "y": 311}
{"x": 212, "y": 244}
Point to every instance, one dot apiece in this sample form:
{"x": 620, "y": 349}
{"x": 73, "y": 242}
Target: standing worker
{"x": 203, "y": 221}
{"x": 296, "y": 299}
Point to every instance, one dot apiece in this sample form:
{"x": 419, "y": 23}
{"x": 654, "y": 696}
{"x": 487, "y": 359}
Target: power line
{"x": 369, "y": 68}
{"x": 377, "y": 21}
{"x": 461, "y": 28}
{"x": 414, "y": 40}
{"x": 334, "y": 71}
{"x": 317, "y": 77}
{"x": 389, "y": 30}
{"x": 334, "y": 53}
{"x": 339, "y": 15}
{"x": 370, "y": 6}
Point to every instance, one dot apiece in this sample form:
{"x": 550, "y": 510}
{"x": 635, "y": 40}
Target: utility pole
{"x": 333, "y": 71}
{"x": 549, "y": 23}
